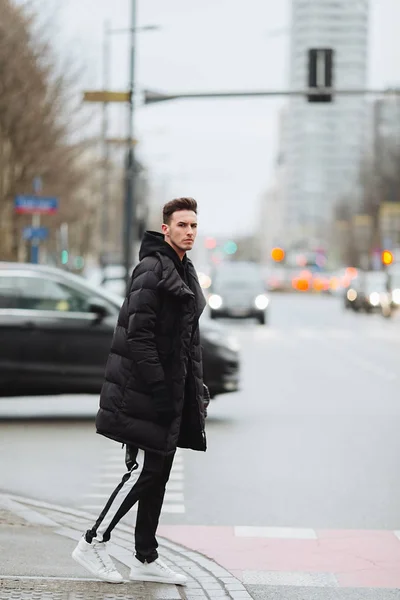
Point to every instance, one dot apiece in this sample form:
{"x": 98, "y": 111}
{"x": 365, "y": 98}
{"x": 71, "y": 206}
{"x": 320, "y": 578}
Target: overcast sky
{"x": 220, "y": 151}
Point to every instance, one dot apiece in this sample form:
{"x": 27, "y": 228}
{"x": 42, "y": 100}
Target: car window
{"x": 8, "y": 292}
{"x": 39, "y": 293}
{"x": 395, "y": 281}
{"x": 376, "y": 282}
{"x": 238, "y": 278}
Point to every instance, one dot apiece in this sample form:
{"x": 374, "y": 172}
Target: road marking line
{"x": 113, "y": 479}
{"x": 295, "y": 579}
{"x": 167, "y": 508}
{"x": 309, "y": 334}
{"x": 362, "y": 363}
{"x": 387, "y": 336}
{"x": 26, "y": 513}
{"x": 175, "y": 486}
{"x": 42, "y": 578}
{"x": 174, "y": 496}
{"x": 340, "y": 334}
{"x": 283, "y": 533}
{"x": 176, "y": 476}
{"x": 110, "y": 478}
{"x": 169, "y": 496}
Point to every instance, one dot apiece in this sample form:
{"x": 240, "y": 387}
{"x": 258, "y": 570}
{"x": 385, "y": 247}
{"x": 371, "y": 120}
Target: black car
{"x": 238, "y": 291}
{"x": 391, "y": 298}
{"x": 366, "y": 291}
{"x": 56, "y": 331}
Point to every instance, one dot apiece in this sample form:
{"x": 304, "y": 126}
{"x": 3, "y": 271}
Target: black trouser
{"x": 144, "y": 482}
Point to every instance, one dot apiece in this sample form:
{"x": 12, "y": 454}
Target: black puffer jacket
{"x": 155, "y": 361}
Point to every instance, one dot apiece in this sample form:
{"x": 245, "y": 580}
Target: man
{"x": 153, "y": 396}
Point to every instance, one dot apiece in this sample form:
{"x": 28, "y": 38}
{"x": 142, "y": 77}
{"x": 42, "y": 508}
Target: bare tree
{"x": 36, "y": 123}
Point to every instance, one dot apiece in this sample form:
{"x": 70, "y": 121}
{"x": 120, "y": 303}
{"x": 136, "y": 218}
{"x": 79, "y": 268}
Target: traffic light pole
{"x": 129, "y": 205}
{"x": 104, "y": 133}
{"x": 152, "y": 97}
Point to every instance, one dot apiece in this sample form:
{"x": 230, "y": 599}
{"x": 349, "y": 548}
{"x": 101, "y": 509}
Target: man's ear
{"x": 164, "y": 228}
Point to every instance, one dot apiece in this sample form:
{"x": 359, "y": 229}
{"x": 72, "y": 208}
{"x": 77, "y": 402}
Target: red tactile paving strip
{"x": 356, "y": 558}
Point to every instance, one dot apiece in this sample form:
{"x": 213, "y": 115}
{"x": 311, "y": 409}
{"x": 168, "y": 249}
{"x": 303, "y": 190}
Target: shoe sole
{"x": 156, "y": 580}
{"x": 77, "y": 558}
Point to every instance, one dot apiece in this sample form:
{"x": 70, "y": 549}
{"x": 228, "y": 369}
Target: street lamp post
{"x": 106, "y": 96}
{"x": 129, "y": 205}
{"x": 106, "y": 99}
{"x": 105, "y": 183}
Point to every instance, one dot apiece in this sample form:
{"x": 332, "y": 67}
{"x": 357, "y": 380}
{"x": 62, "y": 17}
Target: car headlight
{"x": 226, "y": 341}
{"x": 374, "y": 298}
{"x": 396, "y": 296}
{"x": 215, "y": 301}
{"x": 351, "y": 295}
{"x": 261, "y": 302}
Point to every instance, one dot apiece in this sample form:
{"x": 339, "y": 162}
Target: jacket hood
{"x": 154, "y": 242}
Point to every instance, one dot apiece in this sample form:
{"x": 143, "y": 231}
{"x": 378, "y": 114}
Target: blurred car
{"x": 390, "y": 301}
{"x": 238, "y": 291}
{"x": 274, "y": 278}
{"x": 113, "y": 279}
{"x": 366, "y": 291}
{"x": 220, "y": 358}
{"x": 56, "y": 330}
{"x": 302, "y": 281}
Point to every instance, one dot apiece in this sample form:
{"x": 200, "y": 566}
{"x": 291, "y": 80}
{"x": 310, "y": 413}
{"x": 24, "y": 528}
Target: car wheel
{"x": 262, "y": 319}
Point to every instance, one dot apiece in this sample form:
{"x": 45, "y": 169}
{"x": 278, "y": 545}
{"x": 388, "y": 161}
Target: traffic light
{"x": 320, "y": 74}
{"x": 277, "y": 254}
{"x": 387, "y": 258}
{"x": 210, "y": 243}
{"x": 230, "y": 247}
{"x": 64, "y": 257}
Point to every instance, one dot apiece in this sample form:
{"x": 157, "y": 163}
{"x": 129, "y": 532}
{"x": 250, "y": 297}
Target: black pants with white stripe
{"x": 144, "y": 482}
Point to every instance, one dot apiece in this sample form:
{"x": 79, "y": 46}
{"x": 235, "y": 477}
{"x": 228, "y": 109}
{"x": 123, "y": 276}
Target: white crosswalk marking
{"x": 297, "y": 335}
{"x": 311, "y": 334}
{"x": 110, "y": 476}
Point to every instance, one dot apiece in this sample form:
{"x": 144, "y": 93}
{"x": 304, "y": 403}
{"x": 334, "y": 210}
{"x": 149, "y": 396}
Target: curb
{"x": 206, "y": 579}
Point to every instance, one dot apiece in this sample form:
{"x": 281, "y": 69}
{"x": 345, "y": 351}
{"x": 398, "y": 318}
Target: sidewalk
{"x": 36, "y": 541}
{"x": 238, "y": 563}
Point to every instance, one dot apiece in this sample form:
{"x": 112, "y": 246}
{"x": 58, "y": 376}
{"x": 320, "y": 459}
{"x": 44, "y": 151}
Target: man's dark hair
{"x": 178, "y": 204}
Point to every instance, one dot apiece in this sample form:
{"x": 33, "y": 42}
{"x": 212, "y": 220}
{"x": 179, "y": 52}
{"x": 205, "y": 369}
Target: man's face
{"x": 181, "y": 231}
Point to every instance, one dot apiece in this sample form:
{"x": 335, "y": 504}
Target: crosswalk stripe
{"x": 297, "y": 334}
{"x": 110, "y": 477}
{"x": 171, "y": 509}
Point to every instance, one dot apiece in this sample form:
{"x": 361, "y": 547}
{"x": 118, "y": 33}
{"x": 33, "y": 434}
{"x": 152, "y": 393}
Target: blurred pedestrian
{"x": 153, "y": 396}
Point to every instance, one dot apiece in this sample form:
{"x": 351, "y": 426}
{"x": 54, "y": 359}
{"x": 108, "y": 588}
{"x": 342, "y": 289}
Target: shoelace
{"x": 164, "y": 567}
{"x": 103, "y": 557}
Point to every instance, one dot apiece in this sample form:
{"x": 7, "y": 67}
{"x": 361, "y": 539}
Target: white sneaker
{"x": 95, "y": 558}
{"x": 156, "y": 571}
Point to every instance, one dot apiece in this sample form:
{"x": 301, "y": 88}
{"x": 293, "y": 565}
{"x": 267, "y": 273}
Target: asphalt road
{"x": 311, "y": 440}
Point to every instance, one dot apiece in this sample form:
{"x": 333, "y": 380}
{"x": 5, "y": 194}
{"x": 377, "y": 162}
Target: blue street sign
{"x": 35, "y": 233}
{"x": 35, "y": 205}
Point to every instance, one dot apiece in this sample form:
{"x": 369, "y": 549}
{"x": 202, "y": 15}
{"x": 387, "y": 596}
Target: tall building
{"x": 386, "y": 126}
{"x": 271, "y": 225}
{"x": 325, "y": 141}
{"x": 385, "y": 154}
